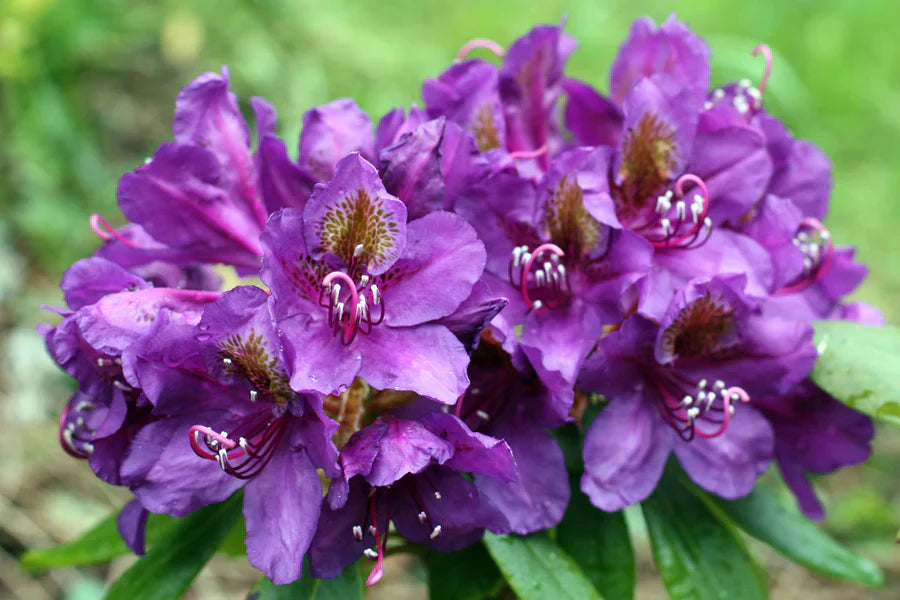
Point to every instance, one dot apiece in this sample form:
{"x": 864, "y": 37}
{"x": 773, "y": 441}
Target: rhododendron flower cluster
{"x": 427, "y": 300}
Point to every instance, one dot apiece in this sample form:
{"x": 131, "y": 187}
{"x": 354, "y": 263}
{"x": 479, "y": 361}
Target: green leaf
{"x": 233, "y": 544}
{"x": 600, "y": 543}
{"x": 469, "y": 574}
{"x": 347, "y": 586}
{"x": 100, "y": 544}
{"x": 698, "y": 556}
{"x": 858, "y": 365}
{"x": 761, "y": 515}
{"x": 172, "y": 562}
{"x": 538, "y": 569}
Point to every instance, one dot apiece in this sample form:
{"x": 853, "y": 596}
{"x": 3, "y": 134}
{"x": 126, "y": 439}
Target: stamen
{"x": 435, "y": 532}
{"x": 257, "y": 440}
{"x": 358, "y": 533}
{"x": 713, "y": 407}
{"x": 378, "y": 571}
{"x": 549, "y": 277}
{"x": 815, "y": 243}
{"x": 485, "y": 43}
{"x": 683, "y": 232}
{"x": 767, "y": 54}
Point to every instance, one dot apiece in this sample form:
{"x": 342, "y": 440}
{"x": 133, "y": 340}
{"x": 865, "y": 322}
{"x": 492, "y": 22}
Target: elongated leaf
{"x": 100, "y": 544}
{"x": 348, "y": 586}
{"x": 538, "y": 569}
{"x": 469, "y": 574}
{"x": 698, "y": 556}
{"x": 600, "y": 543}
{"x": 173, "y": 561}
{"x": 858, "y": 365}
{"x": 761, "y": 515}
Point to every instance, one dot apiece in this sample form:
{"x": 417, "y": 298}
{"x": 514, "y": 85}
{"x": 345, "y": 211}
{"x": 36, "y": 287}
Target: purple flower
{"x": 199, "y": 195}
{"x": 408, "y": 472}
{"x": 357, "y": 289}
{"x": 674, "y": 387}
{"x": 814, "y": 433}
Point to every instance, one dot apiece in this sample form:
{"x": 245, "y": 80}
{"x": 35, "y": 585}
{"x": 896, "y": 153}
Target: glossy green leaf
{"x": 600, "y": 543}
{"x": 173, "y": 561}
{"x": 761, "y": 515}
{"x": 469, "y": 574}
{"x": 537, "y": 569}
{"x": 102, "y": 543}
{"x": 347, "y": 586}
{"x": 858, "y": 365}
{"x": 698, "y": 555}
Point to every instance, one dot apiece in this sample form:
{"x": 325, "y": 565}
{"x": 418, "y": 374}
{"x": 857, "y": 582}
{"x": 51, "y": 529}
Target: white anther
{"x": 253, "y": 395}
{"x": 710, "y": 399}
{"x": 482, "y": 415}
{"x": 707, "y": 105}
{"x": 731, "y": 410}
{"x": 517, "y": 254}
{"x": 701, "y": 396}
{"x": 422, "y": 517}
{"x": 693, "y": 412}
{"x": 370, "y": 554}
{"x": 227, "y": 360}
{"x": 718, "y": 93}
{"x": 807, "y": 263}
{"x": 118, "y": 361}
{"x": 539, "y": 278}
{"x": 84, "y": 405}
{"x": 537, "y": 305}
{"x": 702, "y": 384}
{"x": 754, "y": 93}
{"x": 148, "y": 160}
{"x": 363, "y": 281}
{"x": 87, "y": 447}
{"x": 803, "y": 236}
{"x": 526, "y": 256}
{"x": 735, "y": 397}
{"x": 680, "y": 210}
{"x": 357, "y": 533}
{"x": 696, "y": 211}
{"x": 687, "y": 400}
{"x": 197, "y": 436}
{"x": 719, "y": 385}
{"x": 371, "y": 530}
{"x": 362, "y": 309}
{"x": 221, "y": 458}
{"x": 375, "y": 299}
{"x": 67, "y": 436}
{"x": 336, "y": 292}
{"x": 435, "y": 532}
{"x": 122, "y": 385}
{"x": 437, "y": 495}
{"x": 707, "y": 225}
{"x": 561, "y": 269}
{"x": 244, "y": 444}
{"x": 357, "y": 252}
{"x": 340, "y": 311}
{"x": 101, "y": 362}
{"x": 669, "y": 194}
{"x": 740, "y": 103}
{"x": 666, "y": 226}
{"x": 745, "y": 83}
{"x": 796, "y": 242}
{"x": 79, "y": 421}
{"x": 662, "y": 205}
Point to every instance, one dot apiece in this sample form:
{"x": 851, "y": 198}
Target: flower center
{"x": 75, "y": 431}
{"x": 704, "y": 410}
{"x": 682, "y": 223}
{"x": 702, "y": 328}
{"x": 744, "y": 96}
{"x": 815, "y": 244}
{"x": 648, "y": 158}
{"x": 351, "y": 306}
{"x": 246, "y": 450}
{"x": 541, "y": 275}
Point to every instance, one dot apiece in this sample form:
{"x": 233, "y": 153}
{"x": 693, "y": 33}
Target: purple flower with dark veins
{"x": 677, "y": 386}
{"x": 409, "y": 472}
{"x": 358, "y": 290}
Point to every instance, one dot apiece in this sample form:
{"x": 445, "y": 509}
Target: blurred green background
{"x": 87, "y": 91}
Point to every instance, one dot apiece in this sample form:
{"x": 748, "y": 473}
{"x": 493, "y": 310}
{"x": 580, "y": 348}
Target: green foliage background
{"x": 87, "y": 90}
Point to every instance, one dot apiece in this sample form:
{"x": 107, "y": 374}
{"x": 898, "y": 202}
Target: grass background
{"x": 87, "y": 91}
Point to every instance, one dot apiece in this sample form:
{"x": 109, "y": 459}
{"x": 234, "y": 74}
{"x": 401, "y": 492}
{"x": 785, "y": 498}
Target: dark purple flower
{"x": 357, "y": 289}
{"x": 408, "y": 472}
{"x": 814, "y": 433}
{"x": 674, "y": 387}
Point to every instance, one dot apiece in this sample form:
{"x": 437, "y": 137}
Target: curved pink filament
{"x": 378, "y": 571}
{"x": 812, "y": 223}
{"x": 479, "y": 43}
{"x": 548, "y": 247}
{"x": 742, "y": 395}
{"x": 521, "y": 154}
{"x": 106, "y": 232}
{"x": 349, "y": 327}
{"x": 767, "y": 54}
{"x": 203, "y": 451}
